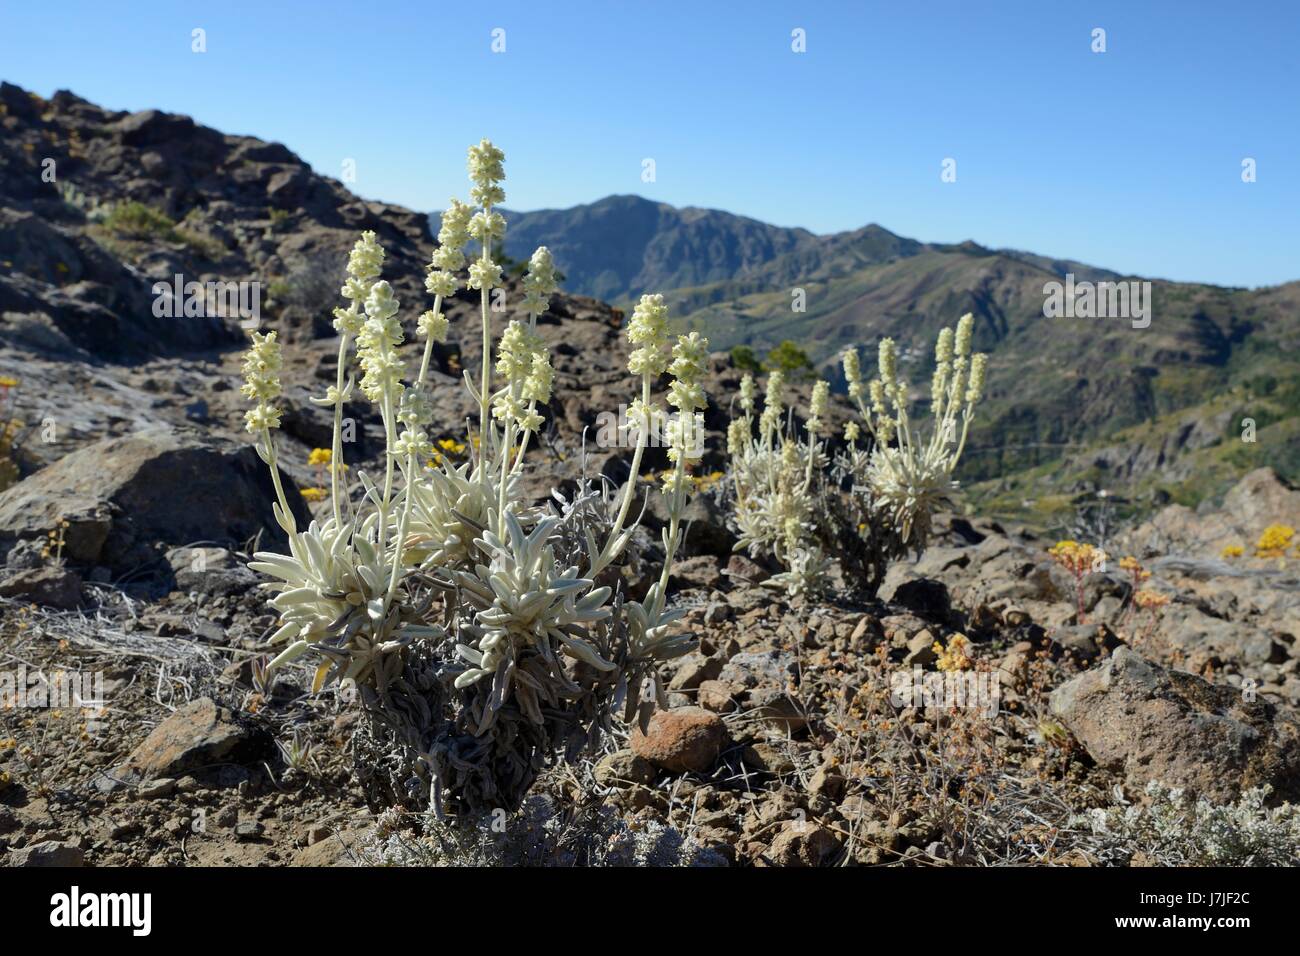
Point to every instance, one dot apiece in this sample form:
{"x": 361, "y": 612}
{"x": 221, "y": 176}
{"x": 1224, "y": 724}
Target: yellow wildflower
{"x": 1152, "y": 599}
{"x": 1274, "y": 541}
{"x": 1077, "y": 558}
{"x": 954, "y": 657}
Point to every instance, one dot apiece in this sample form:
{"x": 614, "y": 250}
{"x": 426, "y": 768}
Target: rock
{"x": 123, "y": 496}
{"x": 752, "y": 668}
{"x": 155, "y": 789}
{"x": 197, "y": 735}
{"x": 211, "y": 571}
{"x": 1015, "y": 616}
{"x": 802, "y": 844}
{"x": 240, "y": 672}
{"x": 717, "y": 695}
{"x": 744, "y": 569}
{"x": 249, "y": 830}
{"x": 717, "y": 611}
{"x": 49, "y": 853}
{"x": 1151, "y": 724}
{"x": 1085, "y": 642}
{"x": 693, "y": 670}
{"x": 776, "y": 708}
{"x": 767, "y": 757}
{"x": 51, "y": 586}
{"x": 924, "y": 596}
{"x": 623, "y": 768}
{"x": 700, "y": 571}
{"x": 920, "y": 649}
{"x": 684, "y": 740}
{"x": 866, "y": 633}
{"x": 337, "y": 849}
{"x": 1013, "y": 669}
{"x": 828, "y": 782}
{"x": 26, "y": 555}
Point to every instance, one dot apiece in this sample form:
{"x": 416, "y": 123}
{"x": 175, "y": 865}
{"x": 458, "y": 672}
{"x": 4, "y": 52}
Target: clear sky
{"x": 1129, "y": 159}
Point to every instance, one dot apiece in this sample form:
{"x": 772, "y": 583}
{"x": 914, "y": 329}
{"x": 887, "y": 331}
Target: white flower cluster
{"x": 782, "y": 498}
{"x": 487, "y": 171}
{"x": 773, "y": 479}
{"x": 365, "y": 262}
{"x": 377, "y": 345}
{"x": 540, "y": 282}
{"x": 685, "y": 431}
{"x": 262, "y": 382}
{"x": 524, "y": 363}
{"x": 447, "y": 260}
{"x": 912, "y": 477}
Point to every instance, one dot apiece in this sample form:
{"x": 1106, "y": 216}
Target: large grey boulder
{"x": 127, "y": 498}
{"x": 1149, "y": 723}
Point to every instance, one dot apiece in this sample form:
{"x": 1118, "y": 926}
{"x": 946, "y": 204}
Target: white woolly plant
{"x": 473, "y": 621}
{"x": 789, "y": 504}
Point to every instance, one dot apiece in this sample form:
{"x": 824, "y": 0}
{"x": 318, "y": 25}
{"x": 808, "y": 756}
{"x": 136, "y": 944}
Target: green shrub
{"x": 743, "y": 358}
{"x": 135, "y": 220}
{"x": 789, "y": 359}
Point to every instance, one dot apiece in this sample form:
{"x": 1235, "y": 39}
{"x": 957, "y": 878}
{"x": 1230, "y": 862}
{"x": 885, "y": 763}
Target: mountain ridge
{"x": 603, "y": 262}
{"x": 1057, "y": 387}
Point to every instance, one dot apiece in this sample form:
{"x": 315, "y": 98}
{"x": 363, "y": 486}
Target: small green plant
{"x": 789, "y": 359}
{"x": 74, "y": 198}
{"x": 121, "y": 223}
{"x": 277, "y": 290}
{"x": 743, "y": 358}
{"x": 297, "y": 753}
{"x": 135, "y": 220}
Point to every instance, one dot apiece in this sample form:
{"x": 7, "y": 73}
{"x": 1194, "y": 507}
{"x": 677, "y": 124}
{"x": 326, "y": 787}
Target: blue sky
{"x": 1129, "y": 159}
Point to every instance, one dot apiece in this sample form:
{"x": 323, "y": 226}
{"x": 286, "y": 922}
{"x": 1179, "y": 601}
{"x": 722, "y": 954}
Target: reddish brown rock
{"x": 680, "y": 741}
{"x": 198, "y": 735}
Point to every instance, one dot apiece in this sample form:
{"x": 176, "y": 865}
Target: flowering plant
{"x": 486, "y": 633}
{"x": 871, "y": 502}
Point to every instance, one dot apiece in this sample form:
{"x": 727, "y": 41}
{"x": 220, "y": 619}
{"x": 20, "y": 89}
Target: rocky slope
{"x": 123, "y": 544}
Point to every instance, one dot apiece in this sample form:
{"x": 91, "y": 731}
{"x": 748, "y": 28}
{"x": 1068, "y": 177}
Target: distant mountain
{"x": 621, "y": 246}
{"x": 1072, "y": 402}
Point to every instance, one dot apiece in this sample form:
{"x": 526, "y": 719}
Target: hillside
{"x": 143, "y": 197}
{"x": 1069, "y": 390}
